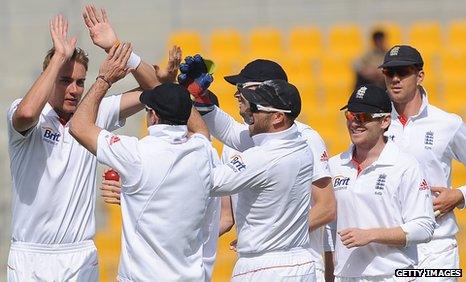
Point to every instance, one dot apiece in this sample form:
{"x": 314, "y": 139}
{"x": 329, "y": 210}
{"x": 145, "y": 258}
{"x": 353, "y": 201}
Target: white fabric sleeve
{"x": 330, "y": 233}
{"x": 122, "y": 154}
{"x": 319, "y": 150}
{"x": 415, "y": 201}
{"x": 458, "y": 150}
{"x": 247, "y": 169}
{"x": 230, "y": 132}
{"x": 15, "y": 137}
{"x": 108, "y": 116}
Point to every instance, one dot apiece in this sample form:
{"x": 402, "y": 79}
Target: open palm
{"x": 100, "y": 30}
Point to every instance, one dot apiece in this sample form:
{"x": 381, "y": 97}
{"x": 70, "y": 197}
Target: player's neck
{"x": 410, "y": 108}
{"x": 366, "y": 155}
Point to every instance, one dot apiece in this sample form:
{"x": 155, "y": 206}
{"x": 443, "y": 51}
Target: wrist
{"x": 101, "y": 80}
{"x": 116, "y": 44}
{"x": 58, "y": 59}
{"x": 134, "y": 61}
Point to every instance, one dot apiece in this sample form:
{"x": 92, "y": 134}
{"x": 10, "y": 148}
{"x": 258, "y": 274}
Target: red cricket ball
{"x": 112, "y": 175}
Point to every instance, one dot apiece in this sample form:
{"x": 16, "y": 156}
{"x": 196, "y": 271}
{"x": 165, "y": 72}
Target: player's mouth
{"x": 72, "y": 101}
{"x": 396, "y": 89}
{"x": 357, "y": 131}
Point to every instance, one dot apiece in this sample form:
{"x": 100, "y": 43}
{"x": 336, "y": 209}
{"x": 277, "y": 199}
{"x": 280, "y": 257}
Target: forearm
{"x": 130, "y": 104}
{"x": 82, "y": 125}
{"x": 394, "y": 236}
{"x": 324, "y": 209}
{"x": 230, "y": 132}
{"x": 29, "y": 109}
{"x": 320, "y": 215}
{"x": 145, "y": 76}
{"x": 196, "y": 124}
{"x": 226, "y": 216}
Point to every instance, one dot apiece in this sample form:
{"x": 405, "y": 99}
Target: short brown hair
{"x": 78, "y": 55}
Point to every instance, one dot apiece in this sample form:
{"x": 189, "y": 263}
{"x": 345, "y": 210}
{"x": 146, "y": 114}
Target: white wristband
{"x": 133, "y": 61}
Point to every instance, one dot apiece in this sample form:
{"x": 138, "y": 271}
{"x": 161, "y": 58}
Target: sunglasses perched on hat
{"x": 272, "y": 96}
{"x": 367, "y": 103}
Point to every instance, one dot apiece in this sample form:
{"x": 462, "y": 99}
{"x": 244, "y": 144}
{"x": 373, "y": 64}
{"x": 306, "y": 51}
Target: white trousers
{"x": 59, "y": 262}
{"x": 438, "y": 254}
{"x": 294, "y": 265}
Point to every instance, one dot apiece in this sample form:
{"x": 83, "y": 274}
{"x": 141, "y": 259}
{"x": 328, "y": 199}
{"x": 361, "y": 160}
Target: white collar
{"x": 172, "y": 133}
{"x": 388, "y": 156}
{"x": 287, "y": 134}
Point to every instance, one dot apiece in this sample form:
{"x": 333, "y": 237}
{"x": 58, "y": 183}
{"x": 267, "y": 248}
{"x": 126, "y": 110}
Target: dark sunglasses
{"x": 399, "y": 71}
{"x": 364, "y": 117}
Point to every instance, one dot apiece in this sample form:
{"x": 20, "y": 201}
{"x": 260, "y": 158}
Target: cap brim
{"x": 251, "y": 96}
{"x": 235, "y": 79}
{"x": 362, "y": 108}
{"x": 397, "y": 64}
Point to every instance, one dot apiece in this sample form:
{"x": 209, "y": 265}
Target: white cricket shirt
{"x": 390, "y": 192}
{"x": 320, "y": 167}
{"x": 166, "y": 179}
{"x": 434, "y": 137}
{"x": 54, "y": 191}
{"x": 273, "y": 180}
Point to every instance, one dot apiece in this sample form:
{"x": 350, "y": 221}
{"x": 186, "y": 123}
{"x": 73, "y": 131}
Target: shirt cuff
{"x": 418, "y": 231}
{"x": 463, "y": 191}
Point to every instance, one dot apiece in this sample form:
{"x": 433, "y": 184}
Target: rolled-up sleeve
{"x": 416, "y": 206}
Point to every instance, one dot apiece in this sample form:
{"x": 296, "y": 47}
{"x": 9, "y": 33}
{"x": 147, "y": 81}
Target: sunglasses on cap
{"x": 399, "y": 71}
{"x": 364, "y": 117}
{"x": 255, "y": 108}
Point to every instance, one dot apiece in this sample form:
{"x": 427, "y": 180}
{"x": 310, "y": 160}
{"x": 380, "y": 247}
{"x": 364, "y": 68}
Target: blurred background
{"x": 322, "y": 45}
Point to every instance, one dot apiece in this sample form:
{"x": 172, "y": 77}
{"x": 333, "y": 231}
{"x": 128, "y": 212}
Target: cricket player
{"x": 165, "y": 178}
{"x": 53, "y": 176}
{"x": 272, "y": 179}
{"x": 323, "y": 209}
{"x": 434, "y": 137}
{"x": 384, "y": 204}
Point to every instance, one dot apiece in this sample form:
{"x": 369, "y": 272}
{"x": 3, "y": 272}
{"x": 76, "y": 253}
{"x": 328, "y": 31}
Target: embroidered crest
{"x": 429, "y": 140}
{"x": 394, "y": 51}
{"x": 361, "y": 92}
{"x": 380, "y": 184}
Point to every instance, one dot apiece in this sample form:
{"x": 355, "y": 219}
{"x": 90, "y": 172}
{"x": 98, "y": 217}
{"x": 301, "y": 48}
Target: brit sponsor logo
{"x": 236, "y": 163}
{"x": 429, "y": 140}
{"x": 380, "y": 184}
{"x": 50, "y": 136}
{"x": 340, "y": 182}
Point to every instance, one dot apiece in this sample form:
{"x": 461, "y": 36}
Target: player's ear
{"x": 420, "y": 77}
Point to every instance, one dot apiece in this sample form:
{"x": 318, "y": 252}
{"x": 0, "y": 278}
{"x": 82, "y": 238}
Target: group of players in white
{"x": 384, "y": 204}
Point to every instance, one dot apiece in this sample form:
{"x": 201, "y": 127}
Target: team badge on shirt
{"x": 429, "y": 140}
{"x": 340, "y": 182}
{"x": 380, "y": 184}
{"x": 236, "y": 163}
{"x": 324, "y": 157}
{"x": 50, "y": 136}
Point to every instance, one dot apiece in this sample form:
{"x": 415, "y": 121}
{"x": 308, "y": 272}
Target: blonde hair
{"x": 78, "y": 55}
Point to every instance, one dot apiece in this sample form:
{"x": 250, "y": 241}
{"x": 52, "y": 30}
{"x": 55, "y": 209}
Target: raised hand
{"x": 100, "y": 30}
{"x": 64, "y": 46}
{"x": 174, "y": 60}
{"x": 114, "y": 67}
